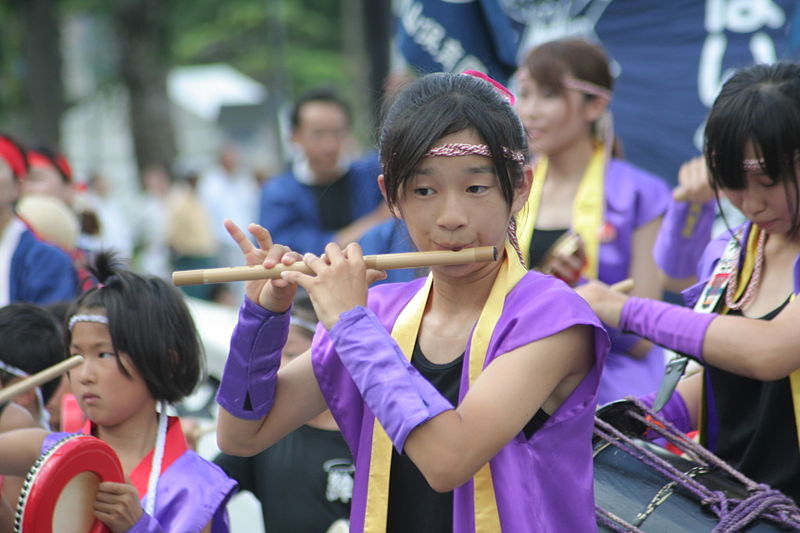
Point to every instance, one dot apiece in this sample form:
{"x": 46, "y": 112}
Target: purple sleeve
{"x": 652, "y": 199}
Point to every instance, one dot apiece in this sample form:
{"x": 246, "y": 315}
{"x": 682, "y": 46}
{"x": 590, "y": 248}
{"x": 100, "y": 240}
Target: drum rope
{"x": 734, "y": 514}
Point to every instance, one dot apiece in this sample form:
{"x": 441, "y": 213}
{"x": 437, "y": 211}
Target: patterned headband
{"x": 753, "y": 164}
{"x": 759, "y": 164}
{"x": 587, "y": 87}
{"x": 460, "y": 149}
{"x": 98, "y": 319}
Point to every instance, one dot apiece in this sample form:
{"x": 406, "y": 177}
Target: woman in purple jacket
{"x": 591, "y": 215}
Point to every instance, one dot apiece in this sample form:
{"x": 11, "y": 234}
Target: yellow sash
{"x": 405, "y": 332}
{"x": 587, "y": 209}
{"x": 743, "y": 279}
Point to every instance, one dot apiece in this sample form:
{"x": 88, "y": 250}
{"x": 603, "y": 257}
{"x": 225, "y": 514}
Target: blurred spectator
{"x": 49, "y": 174}
{"x": 31, "y": 270}
{"x": 151, "y": 255}
{"x": 227, "y": 191}
{"x": 105, "y": 222}
{"x": 322, "y": 197}
{"x": 189, "y": 233}
{"x": 391, "y": 237}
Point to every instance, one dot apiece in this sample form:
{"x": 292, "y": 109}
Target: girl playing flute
{"x": 467, "y": 398}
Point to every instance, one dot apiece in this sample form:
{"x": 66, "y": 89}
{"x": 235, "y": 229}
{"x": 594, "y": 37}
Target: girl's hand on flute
{"x": 339, "y": 283}
{"x": 276, "y": 294}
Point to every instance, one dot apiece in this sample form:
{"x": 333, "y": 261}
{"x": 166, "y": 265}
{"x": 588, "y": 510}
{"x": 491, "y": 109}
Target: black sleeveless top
{"x": 333, "y": 203}
{"x": 413, "y": 504}
{"x": 542, "y": 241}
{"x": 757, "y": 430}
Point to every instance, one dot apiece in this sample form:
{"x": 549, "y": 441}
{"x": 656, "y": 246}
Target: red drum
{"x": 59, "y": 491}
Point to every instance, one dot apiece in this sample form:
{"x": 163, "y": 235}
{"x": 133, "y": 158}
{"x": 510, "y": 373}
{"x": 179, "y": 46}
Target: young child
{"x": 743, "y": 328}
{"x": 586, "y": 190}
{"x": 491, "y": 419}
{"x": 141, "y": 352}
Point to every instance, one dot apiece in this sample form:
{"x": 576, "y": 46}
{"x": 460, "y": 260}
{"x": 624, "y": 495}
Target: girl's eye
{"x": 423, "y": 191}
{"x": 477, "y": 189}
{"x": 103, "y": 355}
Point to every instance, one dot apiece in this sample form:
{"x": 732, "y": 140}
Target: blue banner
{"x": 670, "y": 57}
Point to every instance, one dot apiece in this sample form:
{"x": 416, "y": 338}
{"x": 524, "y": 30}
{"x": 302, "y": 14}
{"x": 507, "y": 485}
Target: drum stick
{"x": 378, "y": 262}
{"x": 625, "y": 286}
{"x": 39, "y": 378}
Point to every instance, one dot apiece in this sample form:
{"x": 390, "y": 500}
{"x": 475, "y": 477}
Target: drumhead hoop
{"x": 65, "y": 478}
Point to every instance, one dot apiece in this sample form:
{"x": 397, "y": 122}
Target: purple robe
{"x": 191, "y": 493}
{"x": 542, "y": 484}
{"x": 633, "y": 197}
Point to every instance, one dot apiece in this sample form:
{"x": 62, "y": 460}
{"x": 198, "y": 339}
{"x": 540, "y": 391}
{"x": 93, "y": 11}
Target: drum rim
{"x": 110, "y": 469}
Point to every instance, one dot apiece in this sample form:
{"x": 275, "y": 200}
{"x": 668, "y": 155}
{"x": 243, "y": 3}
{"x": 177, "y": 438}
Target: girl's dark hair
{"x": 760, "y": 104}
{"x": 441, "y": 104}
{"x": 149, "y": 320}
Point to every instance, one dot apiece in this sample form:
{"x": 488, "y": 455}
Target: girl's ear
{"x": 522, "y": 192}
{"x": 382, "y": 187}
{"x": 594, "y": 108}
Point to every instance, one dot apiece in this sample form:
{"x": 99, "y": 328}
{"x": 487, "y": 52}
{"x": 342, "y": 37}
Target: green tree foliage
{"x": 241, "y": 33}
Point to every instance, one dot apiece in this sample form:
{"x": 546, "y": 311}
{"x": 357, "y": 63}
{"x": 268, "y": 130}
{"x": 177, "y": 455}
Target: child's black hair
{"x": 148, "y": 319}
{"x": 32, "y": 341}
{"x": 441, "y": 104}
{"x": 759, "y": 104}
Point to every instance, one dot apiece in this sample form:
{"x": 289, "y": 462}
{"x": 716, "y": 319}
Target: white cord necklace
{"x": 155, "y": 465}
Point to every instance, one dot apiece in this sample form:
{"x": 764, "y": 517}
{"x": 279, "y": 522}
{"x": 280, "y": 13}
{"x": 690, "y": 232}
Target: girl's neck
{"x": 783, "y": 243}
{"x": 456, "y": 296}
{"x": 132, "y": 439}
{"x": 568, "y": 165}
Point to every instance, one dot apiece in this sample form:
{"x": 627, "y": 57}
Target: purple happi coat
{"x": 542, "y": 484}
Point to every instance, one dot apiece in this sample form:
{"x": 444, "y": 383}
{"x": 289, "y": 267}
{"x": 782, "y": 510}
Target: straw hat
{"x": 51, "y": 219}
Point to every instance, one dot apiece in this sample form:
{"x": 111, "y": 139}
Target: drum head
{"x": 59, "y": 491}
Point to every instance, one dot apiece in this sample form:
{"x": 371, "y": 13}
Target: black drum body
{"x": 643, "y": 497}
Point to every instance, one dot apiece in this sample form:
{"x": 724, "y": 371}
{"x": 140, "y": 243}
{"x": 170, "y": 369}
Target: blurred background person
{"x": 324, "y": 196}
{"x": 190, "y": 234}
{"x": 31, "y": 270}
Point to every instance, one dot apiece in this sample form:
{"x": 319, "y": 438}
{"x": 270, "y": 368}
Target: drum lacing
{"x": 25, "y": 491}
{"x": 733, "y": 513}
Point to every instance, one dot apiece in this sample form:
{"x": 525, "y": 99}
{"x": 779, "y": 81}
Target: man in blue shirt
{"x": 323, "y": 197}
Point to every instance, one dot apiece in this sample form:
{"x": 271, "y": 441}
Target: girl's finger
{"x": 353, "y": 252}
{"x": 238, "y": 235}
{"x": 275, "y": 255}
{"x": 262, "y": 236}
{"x": 375, "y": 275}
{"x": 296, "y": 278}
{"x": 333, "y": 253}
{"x": 316, "y": 264}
